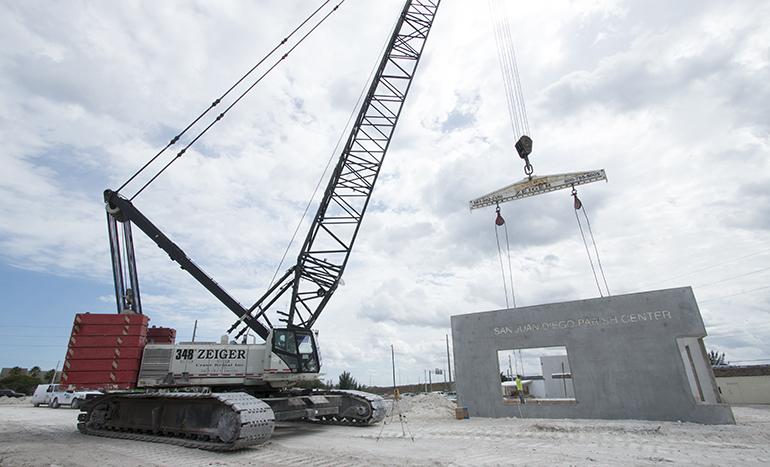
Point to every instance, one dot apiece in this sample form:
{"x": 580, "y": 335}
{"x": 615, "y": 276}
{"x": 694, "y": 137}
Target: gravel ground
{"x": 32, "y": 437}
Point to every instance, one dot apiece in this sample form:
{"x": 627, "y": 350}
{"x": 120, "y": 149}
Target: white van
{"x": 51, "y": 395}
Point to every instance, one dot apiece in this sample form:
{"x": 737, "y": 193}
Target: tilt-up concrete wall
{"x": 636, "y": 356}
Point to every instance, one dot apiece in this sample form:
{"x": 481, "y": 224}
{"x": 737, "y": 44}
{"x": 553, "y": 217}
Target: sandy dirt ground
{"x": 32, "y": 437}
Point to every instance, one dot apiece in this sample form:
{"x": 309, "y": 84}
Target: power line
{"x": 30, "y": 345}
{"x": 735, "y": 294}
{"x": 730, "y": 278}
{"x": 47, "y": 337}
{"x": 698, "y": 270}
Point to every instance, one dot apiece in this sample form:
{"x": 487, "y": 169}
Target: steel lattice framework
{"x": 327, "y": 247}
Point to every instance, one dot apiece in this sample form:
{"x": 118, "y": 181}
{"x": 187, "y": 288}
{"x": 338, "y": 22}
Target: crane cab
{"x": 294, "y": 355}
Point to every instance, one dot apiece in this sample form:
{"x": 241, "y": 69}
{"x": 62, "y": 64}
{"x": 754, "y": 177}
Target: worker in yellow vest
{"x": 520, "y": 389}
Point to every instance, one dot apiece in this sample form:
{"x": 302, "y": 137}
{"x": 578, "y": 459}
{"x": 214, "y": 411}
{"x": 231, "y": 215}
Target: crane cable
{"x": 507, "y": 59}
{"x": 579, "y": 206}
{"x": 343, "y": 134}
{"x": 500, "y": 222}
{"x": 243, "y": 94}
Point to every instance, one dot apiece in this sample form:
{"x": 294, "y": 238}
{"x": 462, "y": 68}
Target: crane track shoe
{"x": 213, "y": 422}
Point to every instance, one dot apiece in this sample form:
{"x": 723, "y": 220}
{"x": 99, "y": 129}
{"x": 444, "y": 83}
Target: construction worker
{"x": 520, "y": 389}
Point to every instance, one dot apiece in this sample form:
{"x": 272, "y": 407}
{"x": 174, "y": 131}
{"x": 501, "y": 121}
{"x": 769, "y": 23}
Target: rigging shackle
{"x": 499, "y": 220}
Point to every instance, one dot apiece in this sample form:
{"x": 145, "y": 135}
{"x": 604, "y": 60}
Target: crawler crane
{"x": 228, "y": 396}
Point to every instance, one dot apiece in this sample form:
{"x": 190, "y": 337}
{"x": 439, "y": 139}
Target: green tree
{"x": 716, "y": 358}
{"x": 15, "y": 371}
{"x": 504, "y": 378}
{"x": 315, "y": 384}
{"x": 49, "y": 375}
{"x": 34, "y": 371}
{"x": 20, "y": 383}
{"x": 347, "y": 381}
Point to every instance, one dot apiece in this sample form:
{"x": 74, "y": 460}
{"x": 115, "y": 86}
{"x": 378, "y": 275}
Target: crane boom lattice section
{"x": 327, "y": 247}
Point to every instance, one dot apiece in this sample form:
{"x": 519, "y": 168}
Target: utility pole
{"x": 393, "y": 359}
{"x": 448, "y": 362}
{"x": 445, "y": 386}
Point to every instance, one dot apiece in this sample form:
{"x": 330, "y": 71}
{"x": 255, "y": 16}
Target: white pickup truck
{"x": 51, "y": 395}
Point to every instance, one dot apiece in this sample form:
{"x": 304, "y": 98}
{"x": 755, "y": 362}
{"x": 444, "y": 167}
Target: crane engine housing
{"x": 287, "y": 358}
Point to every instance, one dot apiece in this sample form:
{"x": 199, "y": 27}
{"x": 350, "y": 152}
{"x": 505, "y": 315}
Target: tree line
{"x": 26, "y": 384}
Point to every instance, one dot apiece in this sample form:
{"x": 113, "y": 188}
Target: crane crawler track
{"x": 359, "y": 409}
{"x": 212, "y": 422}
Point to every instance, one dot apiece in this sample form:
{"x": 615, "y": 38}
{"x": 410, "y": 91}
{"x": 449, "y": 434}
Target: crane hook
{"x": 524, "y": 148}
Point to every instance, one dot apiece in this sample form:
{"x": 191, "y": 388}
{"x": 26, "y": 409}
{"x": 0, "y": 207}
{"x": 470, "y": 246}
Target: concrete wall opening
{"x": 697, "y": 366}
{"x": 546, "y": 377}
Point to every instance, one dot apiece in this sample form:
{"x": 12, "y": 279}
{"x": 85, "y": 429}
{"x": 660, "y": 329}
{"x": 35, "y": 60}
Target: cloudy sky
{"x": 670, "y": 98}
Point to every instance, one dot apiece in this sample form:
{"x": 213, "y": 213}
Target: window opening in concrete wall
{"x": 545, "y": 373}
{"x": 696, "y": 366}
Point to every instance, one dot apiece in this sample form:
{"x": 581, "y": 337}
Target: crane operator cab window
{"x": 297, "y": 349}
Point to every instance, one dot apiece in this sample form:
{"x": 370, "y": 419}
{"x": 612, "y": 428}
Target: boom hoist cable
{"x": 121, "y": 214}
{"x": 237, "y": 99}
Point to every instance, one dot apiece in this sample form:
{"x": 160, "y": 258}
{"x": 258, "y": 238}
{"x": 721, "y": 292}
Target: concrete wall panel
{"x": 625, "y": 360}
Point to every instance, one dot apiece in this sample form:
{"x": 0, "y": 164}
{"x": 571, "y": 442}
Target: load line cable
{"x": 516, "y": 110}
{"x": 509, "y": 69}
{"x": 217, "y": 101}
